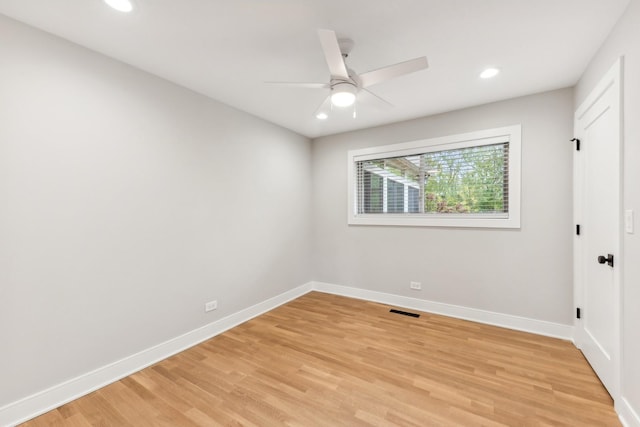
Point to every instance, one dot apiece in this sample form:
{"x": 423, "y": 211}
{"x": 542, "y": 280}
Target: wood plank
{"x": 329, "y": 360}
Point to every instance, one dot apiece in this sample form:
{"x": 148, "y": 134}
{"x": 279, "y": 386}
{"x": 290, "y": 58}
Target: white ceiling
{"x": 227, "y": 49}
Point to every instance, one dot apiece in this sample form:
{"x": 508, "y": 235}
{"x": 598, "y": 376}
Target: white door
{"x": 597, "y": 251}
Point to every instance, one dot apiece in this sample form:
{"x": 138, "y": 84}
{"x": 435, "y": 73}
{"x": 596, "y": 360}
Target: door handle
{"x": 608, "y": 259}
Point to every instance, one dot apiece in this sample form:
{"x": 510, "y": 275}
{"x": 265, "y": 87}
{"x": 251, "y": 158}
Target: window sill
{"x": 435, "y": 220}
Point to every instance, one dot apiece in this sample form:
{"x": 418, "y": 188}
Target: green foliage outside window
{"x": 470, "y": 180}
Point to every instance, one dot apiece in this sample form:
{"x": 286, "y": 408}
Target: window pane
{"x": 472, "y": 180}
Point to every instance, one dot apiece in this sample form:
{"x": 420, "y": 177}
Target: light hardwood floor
{"x": 324, "y": 360}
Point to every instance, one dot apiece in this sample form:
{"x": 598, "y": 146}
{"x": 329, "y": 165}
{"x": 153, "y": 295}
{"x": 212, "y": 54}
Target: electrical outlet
{"x": 211, "y": 305}
{"x": 415, "y": 285}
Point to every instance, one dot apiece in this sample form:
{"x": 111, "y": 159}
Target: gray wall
{"x": 625, "y": 40}
{"x": 126, "y": 203}
{"x": 526, "y": 272}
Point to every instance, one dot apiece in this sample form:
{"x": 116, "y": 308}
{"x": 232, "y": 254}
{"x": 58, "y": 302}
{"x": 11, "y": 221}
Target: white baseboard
{"x": 628, "y": 416}
{"x": 539, "y": 327}
{"x": 46, "y": 400}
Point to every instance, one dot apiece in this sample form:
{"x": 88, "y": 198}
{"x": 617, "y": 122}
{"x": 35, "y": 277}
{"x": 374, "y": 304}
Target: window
{"x": 469, "y": 180}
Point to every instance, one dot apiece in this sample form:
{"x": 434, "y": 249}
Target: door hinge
{"x": 578, "y": 314}
{"x": 577, "y": 229}
{"x": 577, "y": 143}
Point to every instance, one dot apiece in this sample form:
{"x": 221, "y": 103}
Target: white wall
{"x": 625, "y": 41}
{"x": 126, "y": 203}
{"x": 526, "y": 272}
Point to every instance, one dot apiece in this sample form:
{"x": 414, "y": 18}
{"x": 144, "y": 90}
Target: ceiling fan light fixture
{"x": 343, "y": 94}
{"x": 120, "y": 5}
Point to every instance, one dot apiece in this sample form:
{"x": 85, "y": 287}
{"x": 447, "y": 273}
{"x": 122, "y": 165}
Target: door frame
{"x": 611, "y": 80}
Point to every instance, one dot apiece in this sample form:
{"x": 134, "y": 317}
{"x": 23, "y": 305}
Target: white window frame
{"x": 511, "y": 219}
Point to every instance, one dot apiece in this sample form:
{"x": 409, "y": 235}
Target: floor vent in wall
{"x": 404, "y": 313}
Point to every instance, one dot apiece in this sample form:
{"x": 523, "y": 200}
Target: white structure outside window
{"x": 467, "y": 180}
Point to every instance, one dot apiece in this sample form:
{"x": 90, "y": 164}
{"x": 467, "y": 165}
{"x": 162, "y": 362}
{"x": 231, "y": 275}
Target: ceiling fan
{"x": 344, "y": 84}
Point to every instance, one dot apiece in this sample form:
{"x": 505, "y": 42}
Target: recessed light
{"x": 489, "y": 72}
{"x": 322, "y": 116}
{"x": 120, "y": 5}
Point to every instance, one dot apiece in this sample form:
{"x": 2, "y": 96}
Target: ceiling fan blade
{"x": 371, "y": 78}
{"x": 325, "y": 107}
{"x": 332, "y": 54}
{"x": 367, "y": 97}
{"x": 302, "y": 85}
